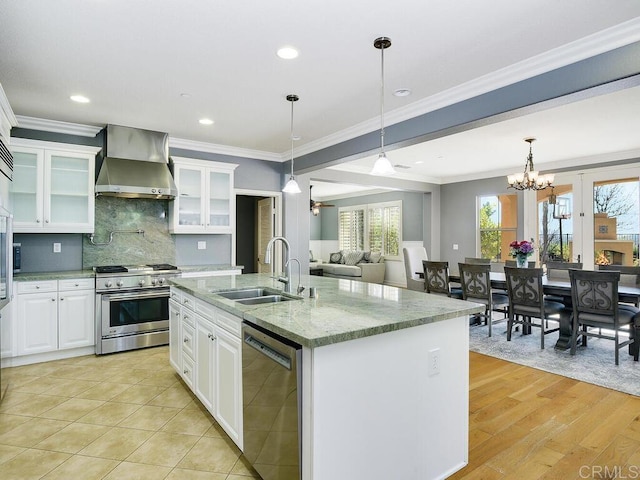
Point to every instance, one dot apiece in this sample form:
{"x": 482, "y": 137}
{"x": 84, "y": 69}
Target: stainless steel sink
{"x": 265, "y": 299}
{"x": 255, "y": 295}
{"x": 247, "y": 293}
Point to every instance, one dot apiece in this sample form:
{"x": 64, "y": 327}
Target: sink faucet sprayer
{"x": 286, "y": 280}
{"x": 300, "y": 288}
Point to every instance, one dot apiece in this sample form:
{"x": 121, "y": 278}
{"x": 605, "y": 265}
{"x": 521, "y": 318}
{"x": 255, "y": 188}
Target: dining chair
{"x": 629, "y": 275}
{"x": 560, "y": 270}
{"x": 526, "y": 302}
{"x": 595, "y": 304}
{"x": 477, "y": 261}
{"x": 436, "y": 279}
{"x": 413, "y": 257}
{"x": 476, "y": 287}
{"x": 514, "y": 264}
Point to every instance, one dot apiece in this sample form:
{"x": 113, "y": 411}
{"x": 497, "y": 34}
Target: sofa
{"x": 354, "y": 265}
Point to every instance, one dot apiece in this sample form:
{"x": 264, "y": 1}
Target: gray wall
{"x": 37, "y": 252}
{"x": 459, "y": 217}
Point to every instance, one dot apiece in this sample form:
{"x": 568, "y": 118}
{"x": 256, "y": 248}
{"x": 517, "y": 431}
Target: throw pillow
{"x": 353, "y": 257}
{"x": 335, "y": 257}
{"x": 366, "y": 258}
{"x": 375, "y": 257}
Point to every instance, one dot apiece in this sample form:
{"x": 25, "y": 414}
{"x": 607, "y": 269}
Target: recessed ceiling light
{"x": 185, "y": 95}
{"x": 79, "y": 98}
{"x": 402, "y": 92}
{"x": 287, "y": 53}
{"x": 419, "y": 162}
{"x": 206, "y": 121}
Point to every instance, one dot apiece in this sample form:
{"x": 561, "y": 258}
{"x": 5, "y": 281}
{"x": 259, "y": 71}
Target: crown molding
{"x": 224, "y": 149}
{"x": 606, "y": 40}
{"x": 57, "y": 126}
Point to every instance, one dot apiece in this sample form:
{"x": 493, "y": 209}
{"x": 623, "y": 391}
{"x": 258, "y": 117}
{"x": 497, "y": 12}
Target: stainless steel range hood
{"x": 136, "y": 165}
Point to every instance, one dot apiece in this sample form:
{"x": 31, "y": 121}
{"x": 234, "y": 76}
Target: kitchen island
{"x": 384, "y": 373}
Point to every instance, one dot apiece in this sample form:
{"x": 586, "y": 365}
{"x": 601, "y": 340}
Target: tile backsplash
{"x": 122, "y": 216}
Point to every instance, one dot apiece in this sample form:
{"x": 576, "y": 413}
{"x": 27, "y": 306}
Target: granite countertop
{"x": 343, "y": 310}
{"x": 208, "y": 268}
{"x": 42, "y": 276}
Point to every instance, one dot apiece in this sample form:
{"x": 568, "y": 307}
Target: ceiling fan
{"x": 316, "y": 206}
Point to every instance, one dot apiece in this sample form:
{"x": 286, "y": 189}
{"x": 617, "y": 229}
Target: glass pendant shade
{"x": 291, "y": 186}
{"x": 382, "y": 166}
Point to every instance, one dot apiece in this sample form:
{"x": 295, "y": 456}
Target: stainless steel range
{"x": 132, "y": 306}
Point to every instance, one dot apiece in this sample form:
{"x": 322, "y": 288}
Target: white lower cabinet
{"x": 207, "y": 341}
{"x": 55, "y": 315}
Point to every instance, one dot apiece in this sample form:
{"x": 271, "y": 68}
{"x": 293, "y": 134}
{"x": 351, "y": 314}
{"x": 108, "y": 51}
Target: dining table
{"x": 562, "y": 288}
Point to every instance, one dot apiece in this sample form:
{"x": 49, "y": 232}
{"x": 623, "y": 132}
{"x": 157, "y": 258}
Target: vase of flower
{"x": 521, "y": 251}
{"x": 522, "y": 261}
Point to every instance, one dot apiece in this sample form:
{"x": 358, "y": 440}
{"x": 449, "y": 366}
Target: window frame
{"x": 479, "y": 230}
{"x": 366, "y": 208}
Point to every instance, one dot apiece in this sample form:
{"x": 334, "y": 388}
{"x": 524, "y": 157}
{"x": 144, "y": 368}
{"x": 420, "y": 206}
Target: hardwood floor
{"x": 529, "y": 424}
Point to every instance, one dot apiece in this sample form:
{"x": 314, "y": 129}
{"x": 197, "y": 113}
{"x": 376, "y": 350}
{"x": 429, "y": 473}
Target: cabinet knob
{"x": 53, "y": 299}
{"x": 186, "y": 340}
{"x": 37, "y": 286}
{"x": 61, "y": 299}
{"x": 77, "y": 284}
{"x": 46, "y": 221}
{"x": 185, "y": 372}
{"x": 37, "y": 220}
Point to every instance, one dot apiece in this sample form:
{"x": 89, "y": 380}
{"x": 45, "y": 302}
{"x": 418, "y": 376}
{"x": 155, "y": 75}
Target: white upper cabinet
{"x": 53, "y": 187}
{"x": 206, "y": 199}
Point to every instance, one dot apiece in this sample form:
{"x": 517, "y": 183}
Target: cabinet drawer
{"x": 176, "y": 295}
{"x": 76, "y": 284}
{"x": 187, "y": 340}
{"x": 188, "y": 317}
{"x": 205, "y": 309}
{"x": 187, "y": 370}
{"x": 229, "y": 322}
{"x": 37, "y": 287}
{"x": 188, "y": 301}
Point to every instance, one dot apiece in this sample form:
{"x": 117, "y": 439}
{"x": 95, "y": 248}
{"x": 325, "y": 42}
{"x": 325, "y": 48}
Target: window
{"x": 376, "y": 227}
{"x": 498, "y": 221}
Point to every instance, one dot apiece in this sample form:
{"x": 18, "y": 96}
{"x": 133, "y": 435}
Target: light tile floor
{"x": 120, "y": 416}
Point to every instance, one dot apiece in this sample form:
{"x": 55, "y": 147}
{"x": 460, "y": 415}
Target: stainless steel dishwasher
{"x": 271, "y": 381}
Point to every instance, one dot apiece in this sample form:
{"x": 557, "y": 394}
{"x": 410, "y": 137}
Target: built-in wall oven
{"x": 132, "y": 307}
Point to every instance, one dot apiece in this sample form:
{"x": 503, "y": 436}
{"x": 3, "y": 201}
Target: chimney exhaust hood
{"x": 136, "y": 165}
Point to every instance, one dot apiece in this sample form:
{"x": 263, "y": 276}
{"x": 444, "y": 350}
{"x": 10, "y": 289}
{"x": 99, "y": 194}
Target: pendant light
{"x": 292, "y": 185}
{"x": 383, "y": 165}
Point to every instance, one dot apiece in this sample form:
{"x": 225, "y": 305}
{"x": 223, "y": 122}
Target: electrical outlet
{"x": 433, "y": 359}
{"x": 202, "y": 245}
{"x": 57, "y": 247}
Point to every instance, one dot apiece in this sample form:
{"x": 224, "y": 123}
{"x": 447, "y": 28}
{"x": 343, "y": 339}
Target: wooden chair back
{"x": 436, "y": 277}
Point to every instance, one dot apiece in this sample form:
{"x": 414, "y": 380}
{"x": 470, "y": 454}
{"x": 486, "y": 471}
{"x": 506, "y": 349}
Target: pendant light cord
{"x": 292, "y": 138}
{"x": 382, "y": 101}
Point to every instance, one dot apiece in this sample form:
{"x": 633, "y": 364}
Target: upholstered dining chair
{"x": 476, "y": 287}
{"x": 526, "y": 302}
{"x": 477, "y": 261}
{"x": 514, "y": 264}
{"x": 629, "y": 275}
{"x": 595, "y": 304}
{"x": 560, "y": 270}
{"x": 436, "y": 279}
{"x": 413, "y": 257}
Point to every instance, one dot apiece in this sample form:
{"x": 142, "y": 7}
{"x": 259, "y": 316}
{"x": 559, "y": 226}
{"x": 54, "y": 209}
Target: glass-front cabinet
{"x": 206, "y": 200}
{"x": 53, "y": 187}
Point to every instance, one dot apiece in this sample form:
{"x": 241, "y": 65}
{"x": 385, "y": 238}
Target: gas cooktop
{"x": 134, "y": 268}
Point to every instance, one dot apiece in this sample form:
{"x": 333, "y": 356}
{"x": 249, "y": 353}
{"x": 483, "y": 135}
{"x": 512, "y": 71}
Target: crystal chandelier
{"x": 530, "y": 179}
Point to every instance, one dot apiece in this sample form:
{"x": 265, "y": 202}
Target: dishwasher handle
{"x": 268, "y": 351}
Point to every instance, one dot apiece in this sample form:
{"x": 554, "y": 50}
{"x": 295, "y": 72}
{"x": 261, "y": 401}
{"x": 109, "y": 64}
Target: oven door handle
{"x": 114, "y": 297}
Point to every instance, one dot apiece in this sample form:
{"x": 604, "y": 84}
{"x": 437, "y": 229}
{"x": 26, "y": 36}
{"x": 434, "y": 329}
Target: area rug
{"x": 594, "y": 363}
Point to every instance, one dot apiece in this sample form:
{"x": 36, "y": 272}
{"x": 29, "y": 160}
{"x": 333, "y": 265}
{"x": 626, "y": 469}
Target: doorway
{"x": 258, "y": 218}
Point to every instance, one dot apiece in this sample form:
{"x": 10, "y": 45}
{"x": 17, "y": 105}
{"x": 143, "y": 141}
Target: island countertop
{"x": 342, "y": 310}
